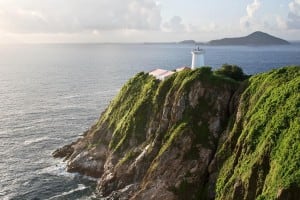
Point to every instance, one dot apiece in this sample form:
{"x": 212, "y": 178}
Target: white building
{"x": 198, "y": 58}
{"x": 197, "y": 61}
{"x": 161, "y": 74}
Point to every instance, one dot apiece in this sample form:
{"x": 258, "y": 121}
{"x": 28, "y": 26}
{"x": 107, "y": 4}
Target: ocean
{"x": 51, "y": 93}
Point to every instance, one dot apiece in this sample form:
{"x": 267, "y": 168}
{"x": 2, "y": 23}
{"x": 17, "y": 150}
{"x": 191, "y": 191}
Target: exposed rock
{"x": 259, "y": 154}
{"x": 64, "y": 152}
{"x": 291, "y": 193}
{"x": 179, "y": 139}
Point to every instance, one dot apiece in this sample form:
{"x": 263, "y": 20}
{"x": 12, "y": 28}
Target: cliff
{"x": 196, "y": 135}
{"x": 259, "y": 158}
{"x": 257, "y": 38}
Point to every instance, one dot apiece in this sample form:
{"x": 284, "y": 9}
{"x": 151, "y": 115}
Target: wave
{"x": 59, "y": 169}
{"x": 80, "y": 187}
{"x": 36, "y": 140}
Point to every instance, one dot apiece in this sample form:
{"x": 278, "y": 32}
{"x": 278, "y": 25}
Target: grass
{"x": 266, "y": 155}
{"x": 128, "y": 115}
{"x": 262, "y": 148}
{"x": 130, "y": 112}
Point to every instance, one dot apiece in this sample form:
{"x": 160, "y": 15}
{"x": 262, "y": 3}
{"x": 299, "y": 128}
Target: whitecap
{"x": 36, "y": 140}
{"x": 90, "y": 178}
{"x": 79, "y": 188}
{"x": 59, "y": 169}
{"x": 72, "y": 96}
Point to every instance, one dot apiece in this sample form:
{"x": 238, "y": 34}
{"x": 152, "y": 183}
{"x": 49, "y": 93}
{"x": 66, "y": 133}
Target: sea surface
{"x": 51, "y": 93}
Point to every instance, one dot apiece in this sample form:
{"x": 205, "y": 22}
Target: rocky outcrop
{"x": 189, "y": 137}
{"x": 259, "y": 158}
{"x": 156, "y": 139}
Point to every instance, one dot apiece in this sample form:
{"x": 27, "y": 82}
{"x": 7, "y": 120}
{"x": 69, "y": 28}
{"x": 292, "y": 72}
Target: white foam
{"x": 26, "y": 183}
{"x": 79, "y": 188}
{"x": 90, "y": 178}
{"x": 57, "y": 169}
{"x": 36, "y": 140}
{"x": 7, "y": 196}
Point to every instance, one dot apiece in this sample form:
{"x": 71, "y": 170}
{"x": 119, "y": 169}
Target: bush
{"x": 232, "y": 71}
{"x": 206, "y": 70}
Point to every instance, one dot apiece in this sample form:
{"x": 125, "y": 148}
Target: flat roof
{"x": 161, "y": 73}
{"x": 158, "y": 72}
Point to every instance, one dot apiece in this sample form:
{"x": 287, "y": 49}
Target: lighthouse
{"x": 198, "y": 58}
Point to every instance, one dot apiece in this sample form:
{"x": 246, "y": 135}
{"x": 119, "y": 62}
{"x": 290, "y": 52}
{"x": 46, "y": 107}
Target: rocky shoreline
{"x": 172, "y": 139}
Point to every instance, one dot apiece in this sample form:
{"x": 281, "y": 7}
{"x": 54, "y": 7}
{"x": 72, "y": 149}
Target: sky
{"x": 77, "y": 21}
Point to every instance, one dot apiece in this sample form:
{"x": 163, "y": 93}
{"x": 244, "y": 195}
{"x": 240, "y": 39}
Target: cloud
{"x": 175, "y": 24}
{"x": 294, "y": 7}
{"x": 293, "y": 21}
{"x": 247, "y": 20}
{"x": 73, "y": 16}
{"x": 253, "y": 7}
{"x": 281, "y": 23}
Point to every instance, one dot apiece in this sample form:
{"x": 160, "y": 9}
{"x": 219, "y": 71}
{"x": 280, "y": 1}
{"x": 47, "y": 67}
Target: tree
{"x": 232, "y": 71}
{"x": 206, "y": 70}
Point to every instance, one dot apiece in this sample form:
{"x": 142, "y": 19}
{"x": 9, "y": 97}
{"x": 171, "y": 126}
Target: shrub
{"x": 232, "y": 71}
{"x": 206, "y": 70}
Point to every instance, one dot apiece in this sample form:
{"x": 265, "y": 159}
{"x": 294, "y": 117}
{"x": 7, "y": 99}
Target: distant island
{"x": 187, "y": 42}
{"x": 257, "y": 38}
{"x": 191, "y": 42}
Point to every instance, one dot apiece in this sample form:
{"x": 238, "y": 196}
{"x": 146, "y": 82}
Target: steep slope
{"x": 156, "y": 139}
{"x": 260, "y": 158}
{"x": 196, "y": 135}
{"x": 256, "y": 38}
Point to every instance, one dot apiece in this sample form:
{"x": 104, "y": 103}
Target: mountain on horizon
{"x": 256, "y": 38}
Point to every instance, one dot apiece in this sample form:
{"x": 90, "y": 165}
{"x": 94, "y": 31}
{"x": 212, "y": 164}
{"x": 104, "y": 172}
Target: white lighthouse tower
{"x": 198, "y": 58}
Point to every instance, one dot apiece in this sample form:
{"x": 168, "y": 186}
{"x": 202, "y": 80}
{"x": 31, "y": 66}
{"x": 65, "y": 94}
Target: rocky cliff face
{"x": 187, "y": 137}
{"x": 259, "y": 158}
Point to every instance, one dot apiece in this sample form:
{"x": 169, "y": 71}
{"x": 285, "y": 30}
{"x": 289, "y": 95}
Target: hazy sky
{"x": 144, "y": 20}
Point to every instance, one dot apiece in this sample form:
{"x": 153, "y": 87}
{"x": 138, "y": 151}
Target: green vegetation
{"x": 171, "y": 136}
{"x": 129, "y": 113}
{"x": 178, "y": 86}
{"x": 262, "y": 150}
{"x": 259, "y": 157}
{"x": 232, "y": 71}
{"x": 128, "y": 156}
